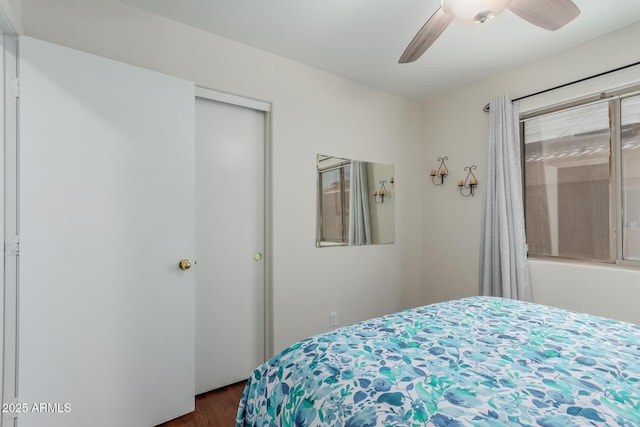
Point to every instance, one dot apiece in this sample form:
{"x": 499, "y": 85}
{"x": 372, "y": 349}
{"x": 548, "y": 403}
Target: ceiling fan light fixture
{"x": 478, "y": 11}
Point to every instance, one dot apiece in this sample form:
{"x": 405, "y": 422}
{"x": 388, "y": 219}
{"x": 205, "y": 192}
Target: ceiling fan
{"x": 548, "y": 14}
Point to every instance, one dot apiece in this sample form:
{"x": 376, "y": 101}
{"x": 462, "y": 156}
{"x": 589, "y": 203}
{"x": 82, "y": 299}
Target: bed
{"x": 479, "y": 361}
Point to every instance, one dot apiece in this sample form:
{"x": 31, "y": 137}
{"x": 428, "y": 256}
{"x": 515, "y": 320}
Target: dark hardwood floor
{"x": 216, "y": 408}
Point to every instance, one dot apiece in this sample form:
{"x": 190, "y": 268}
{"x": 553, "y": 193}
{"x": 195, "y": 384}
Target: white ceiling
{"x": 363, "y": 39}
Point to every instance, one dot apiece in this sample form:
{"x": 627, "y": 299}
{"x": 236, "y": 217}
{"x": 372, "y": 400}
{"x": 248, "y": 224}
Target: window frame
{"x": 616, "y": 230}
{"x": 344, "y": 216}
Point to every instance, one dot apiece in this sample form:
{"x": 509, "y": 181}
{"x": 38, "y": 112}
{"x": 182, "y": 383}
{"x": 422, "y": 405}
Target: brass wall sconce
{"x": 380, "y": 194}
{"x": 468, "y": 186}
{"x": 441, "y": 172}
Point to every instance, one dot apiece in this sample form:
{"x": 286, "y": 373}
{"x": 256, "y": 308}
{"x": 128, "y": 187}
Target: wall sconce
{"x": 380, "y": 194}
{"x": 468, "y": 186}
{"x": 441, "y": 172}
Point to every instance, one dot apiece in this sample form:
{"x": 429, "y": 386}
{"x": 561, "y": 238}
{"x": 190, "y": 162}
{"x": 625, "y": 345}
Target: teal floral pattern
{"x": 478, "y": 361}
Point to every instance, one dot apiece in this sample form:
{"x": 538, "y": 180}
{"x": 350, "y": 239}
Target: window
{"x": 582, "y": 181}
{"x": 630, "y": 168}
{"x": 334, "y": 204}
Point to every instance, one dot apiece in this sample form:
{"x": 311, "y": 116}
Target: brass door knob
{"x": 184, "y": 264}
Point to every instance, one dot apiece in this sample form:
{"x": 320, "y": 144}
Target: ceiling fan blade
{"x": 428, "y": 34}
{"x": 548, "y": 14}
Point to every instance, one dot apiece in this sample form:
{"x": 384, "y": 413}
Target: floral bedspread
{"x": 477, "y": 361}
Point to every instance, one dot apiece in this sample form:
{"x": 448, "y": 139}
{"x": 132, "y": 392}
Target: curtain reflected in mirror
{"x": 356, "y": 202}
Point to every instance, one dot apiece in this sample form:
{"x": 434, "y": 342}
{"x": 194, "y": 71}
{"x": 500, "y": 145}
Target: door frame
{"x": 9, "y": 213}
{"x": 265, "y": 107}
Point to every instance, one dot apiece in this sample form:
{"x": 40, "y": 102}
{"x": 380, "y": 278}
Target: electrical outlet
{"x": 333, "y": 319}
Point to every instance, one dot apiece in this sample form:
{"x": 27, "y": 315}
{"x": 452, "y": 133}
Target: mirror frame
{"x": 380, "y": 206}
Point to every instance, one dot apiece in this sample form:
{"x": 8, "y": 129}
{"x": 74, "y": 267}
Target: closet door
{"x": 106, "y": 319}
{"x": 230, "y": 213}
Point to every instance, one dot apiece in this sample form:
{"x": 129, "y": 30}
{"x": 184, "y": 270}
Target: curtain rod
{"x": 486, "y": 107}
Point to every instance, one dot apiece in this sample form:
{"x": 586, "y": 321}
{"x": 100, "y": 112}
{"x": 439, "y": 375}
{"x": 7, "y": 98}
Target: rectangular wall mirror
{"x": 356, "y": 202}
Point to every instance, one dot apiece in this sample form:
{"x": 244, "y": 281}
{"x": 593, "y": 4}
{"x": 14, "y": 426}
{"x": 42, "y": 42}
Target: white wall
{"x": 313, "y": 112}
{"x": 455, "y": 125}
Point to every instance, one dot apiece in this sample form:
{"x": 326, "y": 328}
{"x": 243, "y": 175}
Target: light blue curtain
{"x": 504, "y": 268}
{"x": 359, "y": 216}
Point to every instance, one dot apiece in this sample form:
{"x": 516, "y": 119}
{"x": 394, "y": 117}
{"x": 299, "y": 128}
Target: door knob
{"x": 184, "y": 264}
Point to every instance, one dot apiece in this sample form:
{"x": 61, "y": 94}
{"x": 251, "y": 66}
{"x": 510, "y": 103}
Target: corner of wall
{"x": 11, "y": 16}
